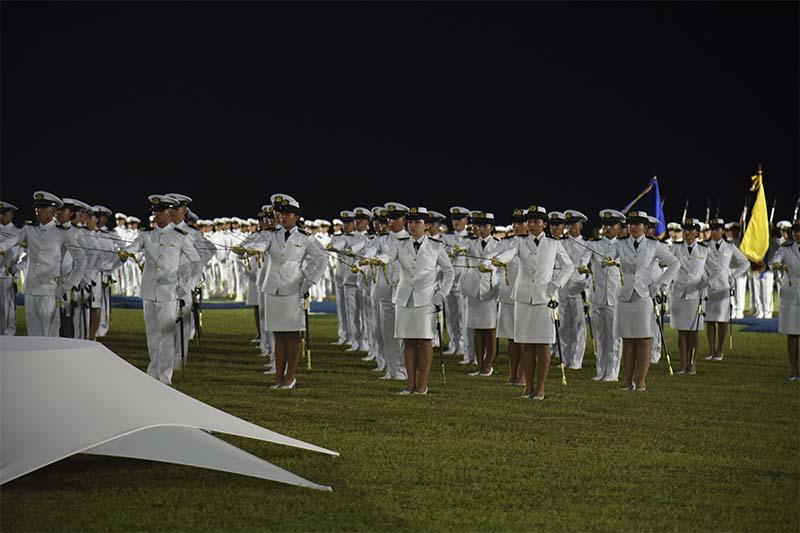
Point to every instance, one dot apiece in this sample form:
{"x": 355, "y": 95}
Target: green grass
{"x": 716, "y": 451}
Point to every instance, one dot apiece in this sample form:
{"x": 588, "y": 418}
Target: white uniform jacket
{"x": 482, "y": 285}
{"x": 163, "y": 249}
{"x": 543, "y": 268}
{"x": 690, "y": 280}
{"x": 605, "y": 281}
{"x": 725, "y": 262}
{"x": 417, "y": 270}
{"x": 637, "y": 266}
{"x": 45, "y": 246}
{"x": 295, "y": 264}
{"x": 789, "y": 255}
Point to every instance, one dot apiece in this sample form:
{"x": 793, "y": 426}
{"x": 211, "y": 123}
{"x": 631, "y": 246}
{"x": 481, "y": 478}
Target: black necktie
{"x": 416, "y": 246}
{"x": 286, "y": 234}
{"x": 690, "y": 250}
{"x": 483, "y": 244}
{"x": 718, "y": 245}
{"x": 635, "y": 245}
{"x": 536, "y": 240}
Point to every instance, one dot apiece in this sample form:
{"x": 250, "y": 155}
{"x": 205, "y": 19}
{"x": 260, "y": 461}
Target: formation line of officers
{"x": 398, "y": 274}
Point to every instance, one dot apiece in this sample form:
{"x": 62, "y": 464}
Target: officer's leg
{"x": 452, "y": 308}
{"x": 767, "y": 286}
{"x": 167, "y": 313}
{"x": 579, "y": 331}
{"x": 153, "y": 333}
{"x": 378, "y": 329}
{"x": 600, "y": 334}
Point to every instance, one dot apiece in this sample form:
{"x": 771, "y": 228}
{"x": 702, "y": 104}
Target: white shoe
{"x": 381, "y": 368}
{"x": 289, "y": 385}
{"x": 609, "y": 380}
{"x": 405, "y": 392}
{"x": 275, "y": 386}
{"x": 574, "y": 367}
{"x": 476, "y": 373}
{"x": 535, "y": 396}
{"x": 352, "y": 348}
{"x": 269, "y": 372}
{"x": 256, "y": 340}
{"x": 422, "y": 393}
{"x": 794, "y": 378}
{"x": 368, "y": 357}
{"x": 632, "y": 386}
{"x": 719, "y": 357}
{"x": 708, "y": 358}
{"x": 386, "y": 376}
{"x": 597, "y": 378}
{"x": 486, "y": 374}
{"x": 400, "y": 377}
{"x": 464, "y": 362}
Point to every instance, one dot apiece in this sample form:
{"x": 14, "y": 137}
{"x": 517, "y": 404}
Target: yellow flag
{"x": 756, "y": 238}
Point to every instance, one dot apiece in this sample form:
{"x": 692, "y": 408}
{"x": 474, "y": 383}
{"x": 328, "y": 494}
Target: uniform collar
{"x": 461, "y": 233}
{"x": 49, "y": 225}
{"x": 639, "y": 240}
{"x": 165, "y": 228}
{"x": 401, "y": 233}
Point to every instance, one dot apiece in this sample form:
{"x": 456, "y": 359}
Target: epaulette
{"x": 551, "y": 237}
{"x": 273, "y": 229}
{"x": 622, "y": 238}
{"x": 179, "y": 230}
{"x": 61, "y": 226}
{"x": 304, "y": 232}
{"x": 434, "y": 239}
{"x": 679, "y": 241}
{"x": 650, "y": 237}
{"x": 473, "y": 237}
{"x": 31, "y": 223}
{"x": 703, "y": 244}
{"x": 595, "y": 239}
{"x": 383, "y": 234}
{"x": 495, "y": 238}
{"x": 402, "y": 238}
{"x": 787, "y": 243}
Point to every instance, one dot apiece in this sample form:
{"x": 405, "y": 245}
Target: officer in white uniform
{"x": 688, "y": 293}
{"x": 505, "y": 314}
{"x": 46, "y": 243}
{"x": 724, "y": 264}
{"x": 417, "y": 295}
{"x": 604, "y": 294}
{"x": 480, "y": 284}
{"x": 297, "y": 261}
{"x": 109, "y": 264}
{"x": 544, "y": 267}
{"x": 8, "y": 270}
{"x": 162, "y": 289}
{"x": 572, "y": 297}
{"x": 190, "y": 273}
{"x": 63, "y": 324}
{"x": 350, "y": 276}
{"x": 456, "y": 304}
{"x": 634, "y": 321}
{"x": 380, "y": 285}
{"x": 787, "y": 261}
{"x": 363, "y": 220}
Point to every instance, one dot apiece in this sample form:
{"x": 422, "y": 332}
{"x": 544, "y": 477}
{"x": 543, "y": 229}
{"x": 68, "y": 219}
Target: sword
{"x": 179, "y": 320}
{"x": 588, "y": 320}
{"x": 700, "y": 313}
{"x": 554, "y": 306}
{"x": 196, "y": 315}
{"x": 661, "y": 300}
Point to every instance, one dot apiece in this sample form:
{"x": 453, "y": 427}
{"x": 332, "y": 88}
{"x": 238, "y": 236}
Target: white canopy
{"x": 59, "y": 397}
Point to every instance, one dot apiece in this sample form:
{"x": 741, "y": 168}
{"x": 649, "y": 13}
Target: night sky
{"x": 489, "y": 106}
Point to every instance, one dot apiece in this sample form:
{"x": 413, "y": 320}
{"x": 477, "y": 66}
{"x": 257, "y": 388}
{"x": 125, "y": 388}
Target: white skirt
{"x": 481, "y": 314}
{"x": 683, "y": 315}
{"x": 415, "y": 322}
{"x": 533, "y": 324}
{"x": 635, "y": 319}
{"x": 718, "y": 307}
{"x": 505, "y": 321}
{"x": 789, "y": 319}
{"x": 285, "y": 313}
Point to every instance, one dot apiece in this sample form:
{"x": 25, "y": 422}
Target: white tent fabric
{"x": 59, "y": 397}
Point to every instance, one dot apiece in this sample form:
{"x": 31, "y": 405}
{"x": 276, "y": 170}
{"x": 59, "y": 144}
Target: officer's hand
{"x": 123, "y": 255}
{"x": 363, "y": 261}
{"x": 329, "y": 247}
{"x": 438, "y": 299}
{"x": 552, "y": 290}
{"x": 61, "y": 291}
{"x": 584, "y": 270}
{"x": 496, "y": 262}
{"x": 181, "y": 292}
{"x": 607, "y": 262}
{"x": 251, "y": 251}
{"x": 484, "y": 268}
{"x": 376, "y": 262}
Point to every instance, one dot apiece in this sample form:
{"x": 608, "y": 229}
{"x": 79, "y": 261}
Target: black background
{"x": 489, "y": 106}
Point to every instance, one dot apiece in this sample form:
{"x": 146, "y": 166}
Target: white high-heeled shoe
{"x": 289, "y": 385}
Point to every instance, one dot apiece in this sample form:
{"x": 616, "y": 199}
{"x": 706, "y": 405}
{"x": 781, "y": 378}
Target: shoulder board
{"x": 551, "y": 237}
{"x": 304, "y": 232}
{"x": 788, "y": 243}
{"x": 623, "y": 238}
{"x": 402, "y": 238}
{"x": 30, "y": 223}
{"x": 273, "y": 229}
{"x": 473, "y": 237}
{"x": 663, "y": 239}
{"x": 179, "y": 230}
{"x": 679, "y": 241}
{"x": 434, "y": 239}
{"x": 651, "y": 238}
{"x": 382, "y": 234}
{"x": 595, "y": 239}
{"x": 495, "y": 238}
{"x": 60, "y": 226}
{"x": 703, "y": 244}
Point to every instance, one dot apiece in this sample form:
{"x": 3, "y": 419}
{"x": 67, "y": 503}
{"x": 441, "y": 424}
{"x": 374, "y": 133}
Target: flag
{"x": 658, "y": 210}
{"x": 755, "y": 242}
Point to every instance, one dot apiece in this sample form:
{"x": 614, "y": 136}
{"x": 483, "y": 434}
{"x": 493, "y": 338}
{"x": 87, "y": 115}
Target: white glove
{"x": 305, "y": 287}
{"x": 552, "y": 289}
{"x": 654, "y": 289}
{"x": 61, "y": 291}
{"x": 438, "y": 299}
{"x": 181, "y": 292}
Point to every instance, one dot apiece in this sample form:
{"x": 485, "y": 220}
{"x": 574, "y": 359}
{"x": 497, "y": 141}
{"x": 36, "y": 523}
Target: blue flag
{"x": 658, "y": 211}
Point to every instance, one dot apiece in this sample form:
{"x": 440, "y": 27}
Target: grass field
{"x": 716, "y": 451}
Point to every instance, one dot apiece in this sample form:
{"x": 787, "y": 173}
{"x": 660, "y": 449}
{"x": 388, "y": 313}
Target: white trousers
{"x": 573, "y": 331}
{"x": 159, "y": 322}
{"x": 392, "y": 347}
{"x": 456, "y": 310}
{"x": 377, "y": 328}
{"x": 267, "y": 337}
{"x": 8, "y": 306}
{"x": 655, "y": 352}
{"x": 609, "y": 348}
{"x": 40, "y": 313}
{"x": 341, "y": 314}
{"x": 356, "y": 328}
{"x": 105, "y": 311}
{"x": 188, "y": 331}
{"x": 738, "y": 299}
{"x": 761, "y": 286}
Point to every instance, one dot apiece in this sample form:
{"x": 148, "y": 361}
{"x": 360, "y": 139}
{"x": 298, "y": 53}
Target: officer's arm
{"x": 563, "y": 268}
{"x": 21, "y": 239}
{"x": 666, "y": 257}
{"x": 80, "y": 261}
{"x": 739, "y": 262}
{"x": 448, "y": 271}
{"x": 315, "y": 260}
